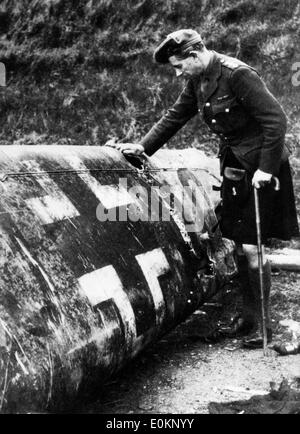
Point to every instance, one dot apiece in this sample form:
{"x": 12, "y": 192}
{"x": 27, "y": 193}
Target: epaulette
{"x": 231, "y": 62}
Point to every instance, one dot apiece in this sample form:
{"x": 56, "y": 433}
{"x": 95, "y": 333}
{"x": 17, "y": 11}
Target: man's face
{"x": 192, "y": 66}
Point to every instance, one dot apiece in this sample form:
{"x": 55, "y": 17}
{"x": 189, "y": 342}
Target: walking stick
{"x": 260, "y": 263}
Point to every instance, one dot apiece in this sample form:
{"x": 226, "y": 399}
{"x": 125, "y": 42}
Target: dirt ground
{"x": 186, "y": 371}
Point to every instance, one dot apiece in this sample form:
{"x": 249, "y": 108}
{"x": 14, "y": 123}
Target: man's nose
{"x": 178, "y": 72}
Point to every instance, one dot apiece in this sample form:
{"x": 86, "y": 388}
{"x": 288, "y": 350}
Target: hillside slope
{"x": 81, "y": 71}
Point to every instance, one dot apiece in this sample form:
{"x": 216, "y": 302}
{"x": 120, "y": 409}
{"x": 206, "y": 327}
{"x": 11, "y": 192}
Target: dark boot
{"x": 246, "y": 321}
{"x": 287, "y": 348}
{"x": 255, "y": 339}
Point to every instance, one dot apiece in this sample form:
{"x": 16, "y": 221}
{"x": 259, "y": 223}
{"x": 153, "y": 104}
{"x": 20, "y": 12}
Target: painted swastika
{"x": 104, "y": 284}
{"x": 54, "y": 206}
{"x": 109, "y": 195}
{"x": 153, "y": 265}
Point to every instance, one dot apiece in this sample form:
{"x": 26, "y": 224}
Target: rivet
{"x": 213, "y": 121}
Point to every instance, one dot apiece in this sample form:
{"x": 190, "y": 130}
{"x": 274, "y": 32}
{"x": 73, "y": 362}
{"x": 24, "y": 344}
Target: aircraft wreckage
{"x": 84, "y": 286}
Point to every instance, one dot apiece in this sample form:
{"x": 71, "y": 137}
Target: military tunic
{"x": 251, "y": 124}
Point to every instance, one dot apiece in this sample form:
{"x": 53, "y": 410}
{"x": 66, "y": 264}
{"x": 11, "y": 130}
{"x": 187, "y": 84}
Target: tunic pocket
{"x": 229, "y": 114}
{"x": 249, "y": 150}
{"x": 222, "y": 106}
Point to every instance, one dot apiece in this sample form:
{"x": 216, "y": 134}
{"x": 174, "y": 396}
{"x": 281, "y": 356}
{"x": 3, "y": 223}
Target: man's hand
{"x": 261, "y": 178}
{"x": 127, "y": 148}
{"x": 132, "y": 149}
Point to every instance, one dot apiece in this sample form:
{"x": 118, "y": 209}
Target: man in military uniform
{"x": 237, "y": 106}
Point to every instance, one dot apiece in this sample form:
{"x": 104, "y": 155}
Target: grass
{"x": 82, "y": 70}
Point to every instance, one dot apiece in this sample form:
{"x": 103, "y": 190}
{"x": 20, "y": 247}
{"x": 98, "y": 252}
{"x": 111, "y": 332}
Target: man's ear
{"x": 194, "y": 54}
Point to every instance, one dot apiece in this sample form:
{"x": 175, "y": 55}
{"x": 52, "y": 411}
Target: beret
{"x": 176, "y": 43}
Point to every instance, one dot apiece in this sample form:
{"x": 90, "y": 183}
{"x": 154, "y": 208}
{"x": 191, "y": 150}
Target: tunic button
{"x": 207, "y": 104}
{"x": 213, "y": 121}
{"x": 227, "y": 110}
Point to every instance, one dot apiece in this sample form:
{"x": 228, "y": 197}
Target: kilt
{"x": 277, "y": 208}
